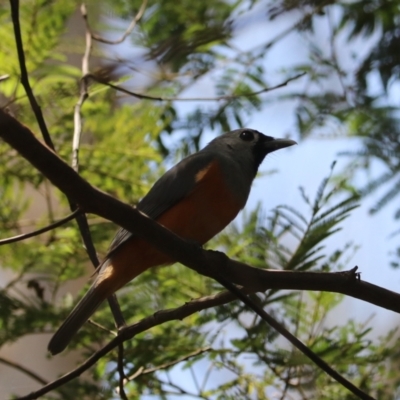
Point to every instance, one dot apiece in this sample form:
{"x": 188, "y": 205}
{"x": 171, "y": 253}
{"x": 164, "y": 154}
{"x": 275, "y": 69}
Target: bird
{"x": 195, "y": 199}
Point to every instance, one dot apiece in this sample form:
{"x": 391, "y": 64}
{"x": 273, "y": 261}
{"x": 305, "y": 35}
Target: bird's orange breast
{"x": 206, "y": 210}
{"x": 199, "y": 216}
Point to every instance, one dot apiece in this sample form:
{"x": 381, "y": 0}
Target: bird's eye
{"x": 247, "y": 136}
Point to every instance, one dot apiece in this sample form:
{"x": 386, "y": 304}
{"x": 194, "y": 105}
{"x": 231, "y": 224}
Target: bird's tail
{"x": 79, "y": 315}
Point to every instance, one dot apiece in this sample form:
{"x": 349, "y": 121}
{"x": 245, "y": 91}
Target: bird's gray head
{"x": 248, "y": 145}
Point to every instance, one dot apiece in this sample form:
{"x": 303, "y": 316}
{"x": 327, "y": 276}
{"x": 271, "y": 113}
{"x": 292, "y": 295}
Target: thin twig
{"x": 303, "y": 20}
{"x": 142, "y": 371}
{"x": 47, "y": 228}
{"x": 121, "y": 372}
{"x": 138, "y": 372}
{"x": 24, "y": 370}
{"x": 83, "y": 95}
{"x": 288, "y": 376}
{"x": 128, "y": 31}
{"x": 226, "y": 97}
{"x": 335, "y": 60}
{"x": 103, "y": 328}
{"x": 24, "y": 74}
{"x": 4, "y": 77}
{"x": 180, "y": 390}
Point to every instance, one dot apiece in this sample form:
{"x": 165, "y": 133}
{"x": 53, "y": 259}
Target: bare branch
{"x": 83, "y": 95}
{"x": 24, "y": 370}
{"x": 103, "y": 328}
{"x": 24, "y": 74}
{"x": 142, "y": 371}
{"x": 121, "y": 372}
{"x": 219, "y": 98}
{"x": 47, "y": 228}
{"x": 128, "y": 31}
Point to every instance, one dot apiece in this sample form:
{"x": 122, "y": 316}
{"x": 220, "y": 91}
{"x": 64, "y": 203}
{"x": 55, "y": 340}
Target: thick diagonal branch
{"x": 253, "y": 279}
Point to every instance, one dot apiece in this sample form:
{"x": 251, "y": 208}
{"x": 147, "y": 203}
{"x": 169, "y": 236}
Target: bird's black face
{"x": 260, "y": 144}
{"x": 247, "y": 146}
{"x": 256, "y": 140}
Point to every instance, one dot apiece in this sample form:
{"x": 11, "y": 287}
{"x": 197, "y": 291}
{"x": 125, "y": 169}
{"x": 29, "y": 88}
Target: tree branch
{"x": 219, "y": 98}
{"x": 24, "y": 370}
{"x": 47, "y": 228}
{"x": 144, "y": 371}
{"x": 128, "y": 31}
{"x": 83, "y": 85}
{"x": 121, "y": 372}
{"x": 24, "y": 74}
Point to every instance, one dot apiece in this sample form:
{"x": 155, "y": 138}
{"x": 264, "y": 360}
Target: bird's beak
{"x": 276, "y": 144}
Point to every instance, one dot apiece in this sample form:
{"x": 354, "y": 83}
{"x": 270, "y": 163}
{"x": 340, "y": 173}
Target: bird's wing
{"x": 173, "y": 186}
